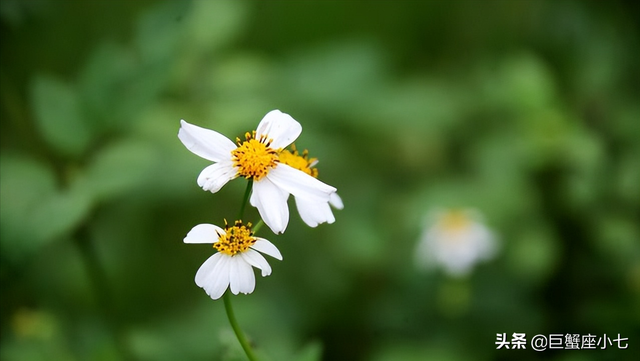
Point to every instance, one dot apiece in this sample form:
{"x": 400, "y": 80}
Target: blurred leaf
{"x": 366, "y": 248}
{"x": 36, "y": 335}
{"x": 454, "y": 297}
{"x": 626, "y": 126}
{"x": 118, "y": 168}
{"x": 193, "y": 333}
{"x": 404, "y": 351}
{"x": 334, "y": 76}
{"x": 159, "y": 31}
{"x": 545, "y": 134}
{"x": 103, "y": 75}
{"x": 59, "y": 115}
{"x": 618, "y": 237}
{"x": 30, "y": 350}
{"x": 533, "y": 253}
{"x": 419, "y": 106}
{"x": 311, "y": 352}
{"x": 584, "y": 151}
{"x": 105, "y": 80}
{"x": 242, "y": 76}
{"x": 116, "y": 87}
{"x": 628, "y": 177}
{"x": 33, "y": 211}
{"x": 60, "y": 212}
{"x": 528, "y": 82}
{"x": 521, "y": 83}
{"x": 499, "y": 156}
{"x": 210, "y": 24}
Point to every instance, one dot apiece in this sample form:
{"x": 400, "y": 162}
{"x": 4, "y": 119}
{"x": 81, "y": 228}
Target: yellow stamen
{"x": 454, "y": 222}
{"x": 254, "y": 157}
{"x": 297, "y": 161}
{"x": 238, "y": 239}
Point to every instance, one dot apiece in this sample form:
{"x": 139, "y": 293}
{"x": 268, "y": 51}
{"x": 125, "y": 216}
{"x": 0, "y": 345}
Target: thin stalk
{"x": 257, "y": 226}
{"x": 245, "y": 199}
{"x": 236, "y": 328}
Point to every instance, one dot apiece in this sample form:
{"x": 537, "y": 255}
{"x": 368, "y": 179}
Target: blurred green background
{"x": 527, "y": 111}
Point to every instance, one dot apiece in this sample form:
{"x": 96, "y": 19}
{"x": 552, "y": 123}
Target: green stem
{"x": 245, "y": 199}
{"x": 257, "y": 226}
{"x": 227, "y": 298}
{"x": 236, "y": 328}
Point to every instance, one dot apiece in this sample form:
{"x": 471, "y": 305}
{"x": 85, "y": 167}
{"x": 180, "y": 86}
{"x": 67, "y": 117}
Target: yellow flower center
{"x": 454, "y": 222}
{"x": 238, "y": 239}
{"x": 254, "y": 157}
{"x": 297, "y": 161}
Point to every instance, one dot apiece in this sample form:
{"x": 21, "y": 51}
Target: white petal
{"x": 271, "y": 202}
{"x": 255, "y": 259}
{"x": 205, "y": 143}
{"x": 280, "y": 127}
{"x": 267, "y": 248}
{"x": 486, "y": 244}
{"x": 249, "y": 279}
{"x": 241, "y": 276}
{"x": 314, "y": 213}
{"x": 204, "y": 233}
{"x": 336, "y": 201}
{"x": 299, "y": 183}
{"x": 206, "y": 269}
{"x": 424, "y": 257}
{"x": 213, "y": 177}
{"x": 213, "y": 275}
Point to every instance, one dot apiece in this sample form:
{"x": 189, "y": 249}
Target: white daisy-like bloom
{"x": 312, "y": 212}
{"x": 230, "y": 267}
{"x": 455, "y": 240}
{"x": 256, "y": 158}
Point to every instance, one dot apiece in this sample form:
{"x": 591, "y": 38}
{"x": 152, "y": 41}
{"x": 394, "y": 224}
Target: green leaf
{"x": 311, "y": 352}
{"x": 116, "y": 86}
{"x": 159, "y": 31}
{"x": 34, "y": 212}
{"x": 60, "y": 212}
{"x": 23, "y": 182}
{"x": 118, "y": 168}
{"x": 102, "y": 81}
{"x": 336, "y": 75}
{"x": 211, "y": 24}
{"x": 58, "y": 115}
{"x": 533, "y": 254}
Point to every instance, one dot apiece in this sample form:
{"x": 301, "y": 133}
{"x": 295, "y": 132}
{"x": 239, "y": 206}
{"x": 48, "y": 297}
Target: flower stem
{"x": 236, "y": 328}
{"x": 257, "y": 226}
{"x": 227, "y": 299}
{"x": 245, "y": 199}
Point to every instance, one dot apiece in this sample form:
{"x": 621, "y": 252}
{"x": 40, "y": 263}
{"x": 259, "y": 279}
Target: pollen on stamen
{"x": 254, "y": 157}
{"x": 237, "y": 238}
{"x": 300, "y": 162}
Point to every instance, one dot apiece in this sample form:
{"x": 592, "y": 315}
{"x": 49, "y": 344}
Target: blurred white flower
{"x": 231, "y": 265}
{"x": 256, "y": 158}
{"x": 455, "y": 240}
{"x": 312, "y": 212}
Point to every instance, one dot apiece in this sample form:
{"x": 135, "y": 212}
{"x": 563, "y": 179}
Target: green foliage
{"x": 58, "y": 115}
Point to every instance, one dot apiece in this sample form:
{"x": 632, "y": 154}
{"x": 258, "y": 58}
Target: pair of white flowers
{"x": 276, "y": 173}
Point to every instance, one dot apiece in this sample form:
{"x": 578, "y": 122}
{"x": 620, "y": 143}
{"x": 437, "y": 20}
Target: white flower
{"x": 312, "y": 212}
{"x": 456, "y": 240}
{"x": 256, "y": 158}
{"x": 231, "y": 265}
